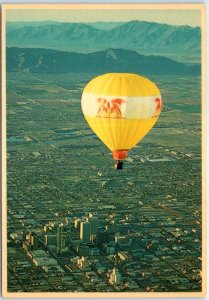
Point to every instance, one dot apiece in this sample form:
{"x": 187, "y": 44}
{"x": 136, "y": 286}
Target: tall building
{"x": 85, "y": 231}
{"x": 115, "y": 276}
{"x": 77, "y": 223}
{"x": 59, "y": 238}
{"x": 94, "y": 224}
{"x": 33, "y": 240}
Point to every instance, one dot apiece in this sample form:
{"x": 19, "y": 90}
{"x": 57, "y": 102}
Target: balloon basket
{"x": 118, "y": 165}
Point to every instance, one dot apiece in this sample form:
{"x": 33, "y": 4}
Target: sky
{"x": 173, "y": 17}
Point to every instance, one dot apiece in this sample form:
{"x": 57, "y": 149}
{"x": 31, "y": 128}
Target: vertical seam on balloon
{"x": 106, "y": 132}
{"x": 114, "y": 139}
{"x": 135, "y": 126}
{"x": 95, "y": 121}
{"x": 98, "y": 79}
{"x": 127, "y": 131}
{"x": 122, "y": 122}
{"x": 120, "y": 88}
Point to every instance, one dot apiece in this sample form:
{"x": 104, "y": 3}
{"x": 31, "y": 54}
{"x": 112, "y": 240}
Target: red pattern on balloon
{"x": 110, "y": 108}
{"x": 158, "y": 107}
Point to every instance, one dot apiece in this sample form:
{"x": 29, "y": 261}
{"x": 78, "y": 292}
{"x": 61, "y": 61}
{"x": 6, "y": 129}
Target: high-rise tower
{"x": 115, "y": 277}
{"x": 85, "y": 231}
{"x": 59, "y": 238}
{"x": 94, "y": 224}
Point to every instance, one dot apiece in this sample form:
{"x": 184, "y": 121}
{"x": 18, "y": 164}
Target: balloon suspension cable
{"x": 118, "y": 165}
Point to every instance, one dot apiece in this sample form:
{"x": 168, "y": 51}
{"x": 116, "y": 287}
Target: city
{"x": 77, "y": 225}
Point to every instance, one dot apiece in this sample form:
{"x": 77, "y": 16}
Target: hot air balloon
{"x": 121, "y": 108}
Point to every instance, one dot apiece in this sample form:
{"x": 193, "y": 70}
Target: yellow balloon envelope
{"x": 121, "y": 108}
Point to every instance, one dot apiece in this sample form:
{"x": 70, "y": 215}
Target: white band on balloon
{"x": 121, "y": 106}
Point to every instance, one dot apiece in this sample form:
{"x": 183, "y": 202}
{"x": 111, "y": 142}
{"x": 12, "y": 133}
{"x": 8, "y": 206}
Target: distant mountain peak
{"x": 110, "y": 53}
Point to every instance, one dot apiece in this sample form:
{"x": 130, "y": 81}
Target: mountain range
{"x": 140, "y": 36}
{"x": 47, "y": 61}
{"x": 98, "y": 25}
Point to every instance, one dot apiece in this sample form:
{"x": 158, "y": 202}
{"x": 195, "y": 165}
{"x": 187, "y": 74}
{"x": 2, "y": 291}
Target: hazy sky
{"x": 174, "y": 17}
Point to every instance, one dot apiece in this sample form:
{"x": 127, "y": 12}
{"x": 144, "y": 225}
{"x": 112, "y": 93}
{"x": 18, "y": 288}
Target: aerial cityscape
{"x": 74, "y": 223}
